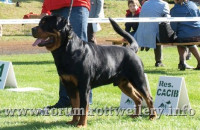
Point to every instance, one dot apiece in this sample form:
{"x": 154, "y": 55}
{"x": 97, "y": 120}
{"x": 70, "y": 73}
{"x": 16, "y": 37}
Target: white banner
{"x": 106, "y": 20}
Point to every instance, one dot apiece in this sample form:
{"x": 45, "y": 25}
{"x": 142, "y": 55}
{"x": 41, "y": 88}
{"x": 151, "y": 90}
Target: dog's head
{"x": 51, "y": 32}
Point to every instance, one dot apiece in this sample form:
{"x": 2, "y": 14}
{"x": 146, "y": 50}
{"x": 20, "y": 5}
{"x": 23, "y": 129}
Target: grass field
{"x": 38, "y": 70}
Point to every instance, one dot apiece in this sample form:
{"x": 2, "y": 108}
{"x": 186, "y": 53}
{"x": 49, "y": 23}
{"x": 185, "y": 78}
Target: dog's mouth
{"x": 43, "y": 42}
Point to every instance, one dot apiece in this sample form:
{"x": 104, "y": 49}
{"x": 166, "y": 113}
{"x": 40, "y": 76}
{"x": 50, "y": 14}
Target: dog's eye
{"x": 42, "y": 23}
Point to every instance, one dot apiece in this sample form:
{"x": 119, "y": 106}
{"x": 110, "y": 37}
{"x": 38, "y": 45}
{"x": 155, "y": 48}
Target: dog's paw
{"x": 153, "y": 117}
{"x": 134, "y": 116}
{"x": 72, "y": 122}
{"x": 81, "y": 126}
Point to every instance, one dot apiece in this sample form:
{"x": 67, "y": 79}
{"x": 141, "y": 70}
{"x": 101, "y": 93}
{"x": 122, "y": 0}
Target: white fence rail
{"x": 105, "y": 20}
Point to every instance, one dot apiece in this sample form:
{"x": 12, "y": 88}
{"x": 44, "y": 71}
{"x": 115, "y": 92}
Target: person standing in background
{"x": 78, "y": 20}
{"x": 147, "y": 34}
{"x": 95, "y": 12}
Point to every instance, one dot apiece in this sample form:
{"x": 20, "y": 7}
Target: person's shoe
{"x": 45, "y": 110}
{"x": 57, "y": 105}
{"x": 147, "y": 48}
{"x": 159, "y": 64}
{"x": 183, "y": 66}
{"x": 198, "y": 67}
{"x": 142, "y": 49}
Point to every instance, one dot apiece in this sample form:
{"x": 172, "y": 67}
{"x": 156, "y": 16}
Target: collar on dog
{"x": 70, "y": 37}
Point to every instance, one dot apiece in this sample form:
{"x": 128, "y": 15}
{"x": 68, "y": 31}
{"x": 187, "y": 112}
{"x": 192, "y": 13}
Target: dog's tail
{"x": 126, "y": 35}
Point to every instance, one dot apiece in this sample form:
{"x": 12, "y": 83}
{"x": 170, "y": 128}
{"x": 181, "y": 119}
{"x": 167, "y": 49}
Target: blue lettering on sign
{"x": 165, "y": 84}
{"x": 168, "y": 93}
{"x": 1, "y": 71}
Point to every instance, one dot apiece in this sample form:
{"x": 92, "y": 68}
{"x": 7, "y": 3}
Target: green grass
{"x": 38, "y": 70}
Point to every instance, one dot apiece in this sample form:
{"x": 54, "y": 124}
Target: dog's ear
{"x": 61, "y": 23}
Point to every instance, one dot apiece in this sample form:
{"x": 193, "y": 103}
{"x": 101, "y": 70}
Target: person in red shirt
{"x": 79, "y": 14}
{"x": 133, "y": 11}
{"x": 78, "y": 20}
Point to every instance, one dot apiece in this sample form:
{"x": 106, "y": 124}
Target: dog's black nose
{"x": 34, "y": 31}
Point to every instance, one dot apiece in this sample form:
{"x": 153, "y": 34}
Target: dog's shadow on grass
{"x": 171, "y": 72}
{"x": 32, "y": 62}
{"x": 163, "y": 72}
{"x": 39, "y": 125}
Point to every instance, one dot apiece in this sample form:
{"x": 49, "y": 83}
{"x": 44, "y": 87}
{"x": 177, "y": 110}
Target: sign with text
{"x": 171, "y": 95}
{"x": 7, "y": 75}
{"x": 127, "y": 103}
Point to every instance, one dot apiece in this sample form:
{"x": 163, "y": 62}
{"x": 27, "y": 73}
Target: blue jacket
{"x": 186, "y": 29}
{"x": 147, "y": 32}
{"x": 96, "y": 9}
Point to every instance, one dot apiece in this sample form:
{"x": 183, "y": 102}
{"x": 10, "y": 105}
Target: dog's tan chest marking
{"x": 69, "y": 78}
{"x": 57, "y": 38}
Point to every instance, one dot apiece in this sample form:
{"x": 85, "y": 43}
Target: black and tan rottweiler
{"x": 83, "y": 66}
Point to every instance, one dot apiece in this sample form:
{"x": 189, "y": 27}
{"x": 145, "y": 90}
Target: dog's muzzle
{"x": 35, "y": 31}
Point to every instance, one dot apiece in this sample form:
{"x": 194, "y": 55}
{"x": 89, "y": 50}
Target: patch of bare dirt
{"x": 12, "y": 47}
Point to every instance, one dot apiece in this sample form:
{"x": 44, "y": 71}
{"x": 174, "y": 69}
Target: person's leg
{"x": 158, "y": 56}
{"x": 78, "y": 20}
{"x": 91, "y": 34}
{"x": 196, "y": 54}
{"x": 63, "y": 100}
{"x": 1, "y": 30}
{"x": 182, "y": 50}
{"x": 189, "y": 54}
{"x": 79, "y": 24}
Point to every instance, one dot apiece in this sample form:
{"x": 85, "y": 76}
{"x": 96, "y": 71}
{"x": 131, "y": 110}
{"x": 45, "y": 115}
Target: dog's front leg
{"x": 84, "y": 106}
{"x": 70, "y": 83}
{"x": 75, "y": 102}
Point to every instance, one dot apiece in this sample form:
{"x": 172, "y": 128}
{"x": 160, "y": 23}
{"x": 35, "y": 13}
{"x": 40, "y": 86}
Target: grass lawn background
{"x": 38, "y": 70}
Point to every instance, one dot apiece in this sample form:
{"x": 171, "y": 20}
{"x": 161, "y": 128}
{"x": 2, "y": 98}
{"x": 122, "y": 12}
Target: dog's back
{"x": 113, "y": 62}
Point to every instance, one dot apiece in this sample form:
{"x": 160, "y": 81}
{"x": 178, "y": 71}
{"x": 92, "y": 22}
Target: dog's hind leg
{"x": 127, "y": 88}
{"x": 149, "y": 101}
{"x": 141, "y": 88}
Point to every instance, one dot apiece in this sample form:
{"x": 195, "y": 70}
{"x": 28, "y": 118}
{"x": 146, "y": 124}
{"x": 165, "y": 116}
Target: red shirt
{"x": 49, "y": 5}
{"x": 137, "y": 12}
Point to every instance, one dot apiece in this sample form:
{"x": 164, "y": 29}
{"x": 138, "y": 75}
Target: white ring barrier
{"x": 145, "y": 19}
{"x": 105, "y": 20}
